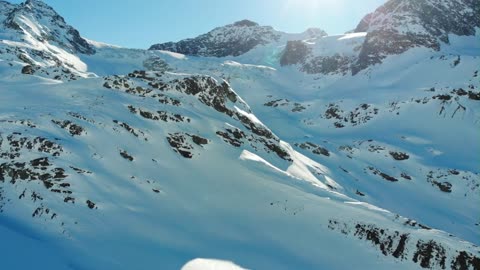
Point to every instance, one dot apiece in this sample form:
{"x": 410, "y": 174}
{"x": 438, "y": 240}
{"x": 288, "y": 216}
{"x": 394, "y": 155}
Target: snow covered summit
{"x": 230, "y": 40}
{"x": 37, "y": 39}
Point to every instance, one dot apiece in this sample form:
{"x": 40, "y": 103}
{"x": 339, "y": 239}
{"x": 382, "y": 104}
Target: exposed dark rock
{"x": 296, "y": 52}
{"x": 125, "y": 155}
{"x": 390, "y": 243}
{"x": 316, "y": 149}
{"x": 383, "y": 175}
{"x": 360, "y": 115}
{"x": 232, "y": 137}
{"x": 157, "y": 116}
{"x": 90, "y": 204}
{"x": 444, "y": 97}
{"x": 72, "y": 128}
{"x": 399, "y": 155}
{"x": 28, "y": 69}
{"x": 156, "y": 64}
{"x": 80, "y": 171}
{"x": 245, "y": 23}
{"x": 445, "y": 186}
{"x": 237, "y": 138}
{"x": 295, "y": 107}
{"x": 69, "y": 199}
{"x": 465, "y": 261}
{"x": 359, "y": 193}
{"x": 179, "y": 143}
{"x": 473, "y": 96}
{"x": 258, "y": 129}
{"x": 40, "y": 162}
{"x": 333, "y": 64}
{"x": 199, "y": 140}
{"x": 430, "y": 255}
{"x": 437, "y": 180}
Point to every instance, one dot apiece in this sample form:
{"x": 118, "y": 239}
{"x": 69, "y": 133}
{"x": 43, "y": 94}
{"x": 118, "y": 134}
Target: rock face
{"x": 429, "y": 254}
{"x": 318, "y": 56}
{"x": 400, "y": 25}
{"x": 296, "y": 52}
{"x": 230, "y": 40}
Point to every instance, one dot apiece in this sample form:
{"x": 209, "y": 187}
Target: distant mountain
{"x": 230, "y": 40}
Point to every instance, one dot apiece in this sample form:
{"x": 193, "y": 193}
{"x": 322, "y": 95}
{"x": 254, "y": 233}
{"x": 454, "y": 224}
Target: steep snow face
{"x": 389, "y": 134}
{"x": 35, "y": 39}
{"x": 165, "y": 168}
{"x": 401, "y": 25}
{"x": 39, "y": 21}
{"x": 231, "y": 40}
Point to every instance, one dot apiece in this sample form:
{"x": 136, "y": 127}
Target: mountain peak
{"x": 36, "y": 5}
{"x": 34, "y": 2}
{"x": 245, "y": 23}
{"x": 36, "y": 19}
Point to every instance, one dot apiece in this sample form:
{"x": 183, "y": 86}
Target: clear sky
{"x": 141, "y": 23}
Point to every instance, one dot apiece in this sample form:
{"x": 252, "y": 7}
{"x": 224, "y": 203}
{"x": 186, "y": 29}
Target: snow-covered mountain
{"x": 392, "y": 29}
{"x": 400, "y": 25}
{"x": 35, "y": 39}
{"x": 234, "y": 40}
{"x": 247, "y": 145}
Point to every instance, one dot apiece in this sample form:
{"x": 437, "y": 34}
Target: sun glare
{"x": 313, "y": 5}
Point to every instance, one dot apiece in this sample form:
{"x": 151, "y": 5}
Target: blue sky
{"x": 141, "y": 23}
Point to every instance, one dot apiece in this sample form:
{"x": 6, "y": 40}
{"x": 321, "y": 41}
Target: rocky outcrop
{"x": 314, "y": 148}
{"x": 316, "y": 55}
{"x": 427, "y": 253}
{"x": 30, "y": 164}
{"x": 295, "y": 53}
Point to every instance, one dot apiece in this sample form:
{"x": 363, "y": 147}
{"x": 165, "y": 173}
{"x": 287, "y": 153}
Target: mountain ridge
{"x": 231, "y": 40}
